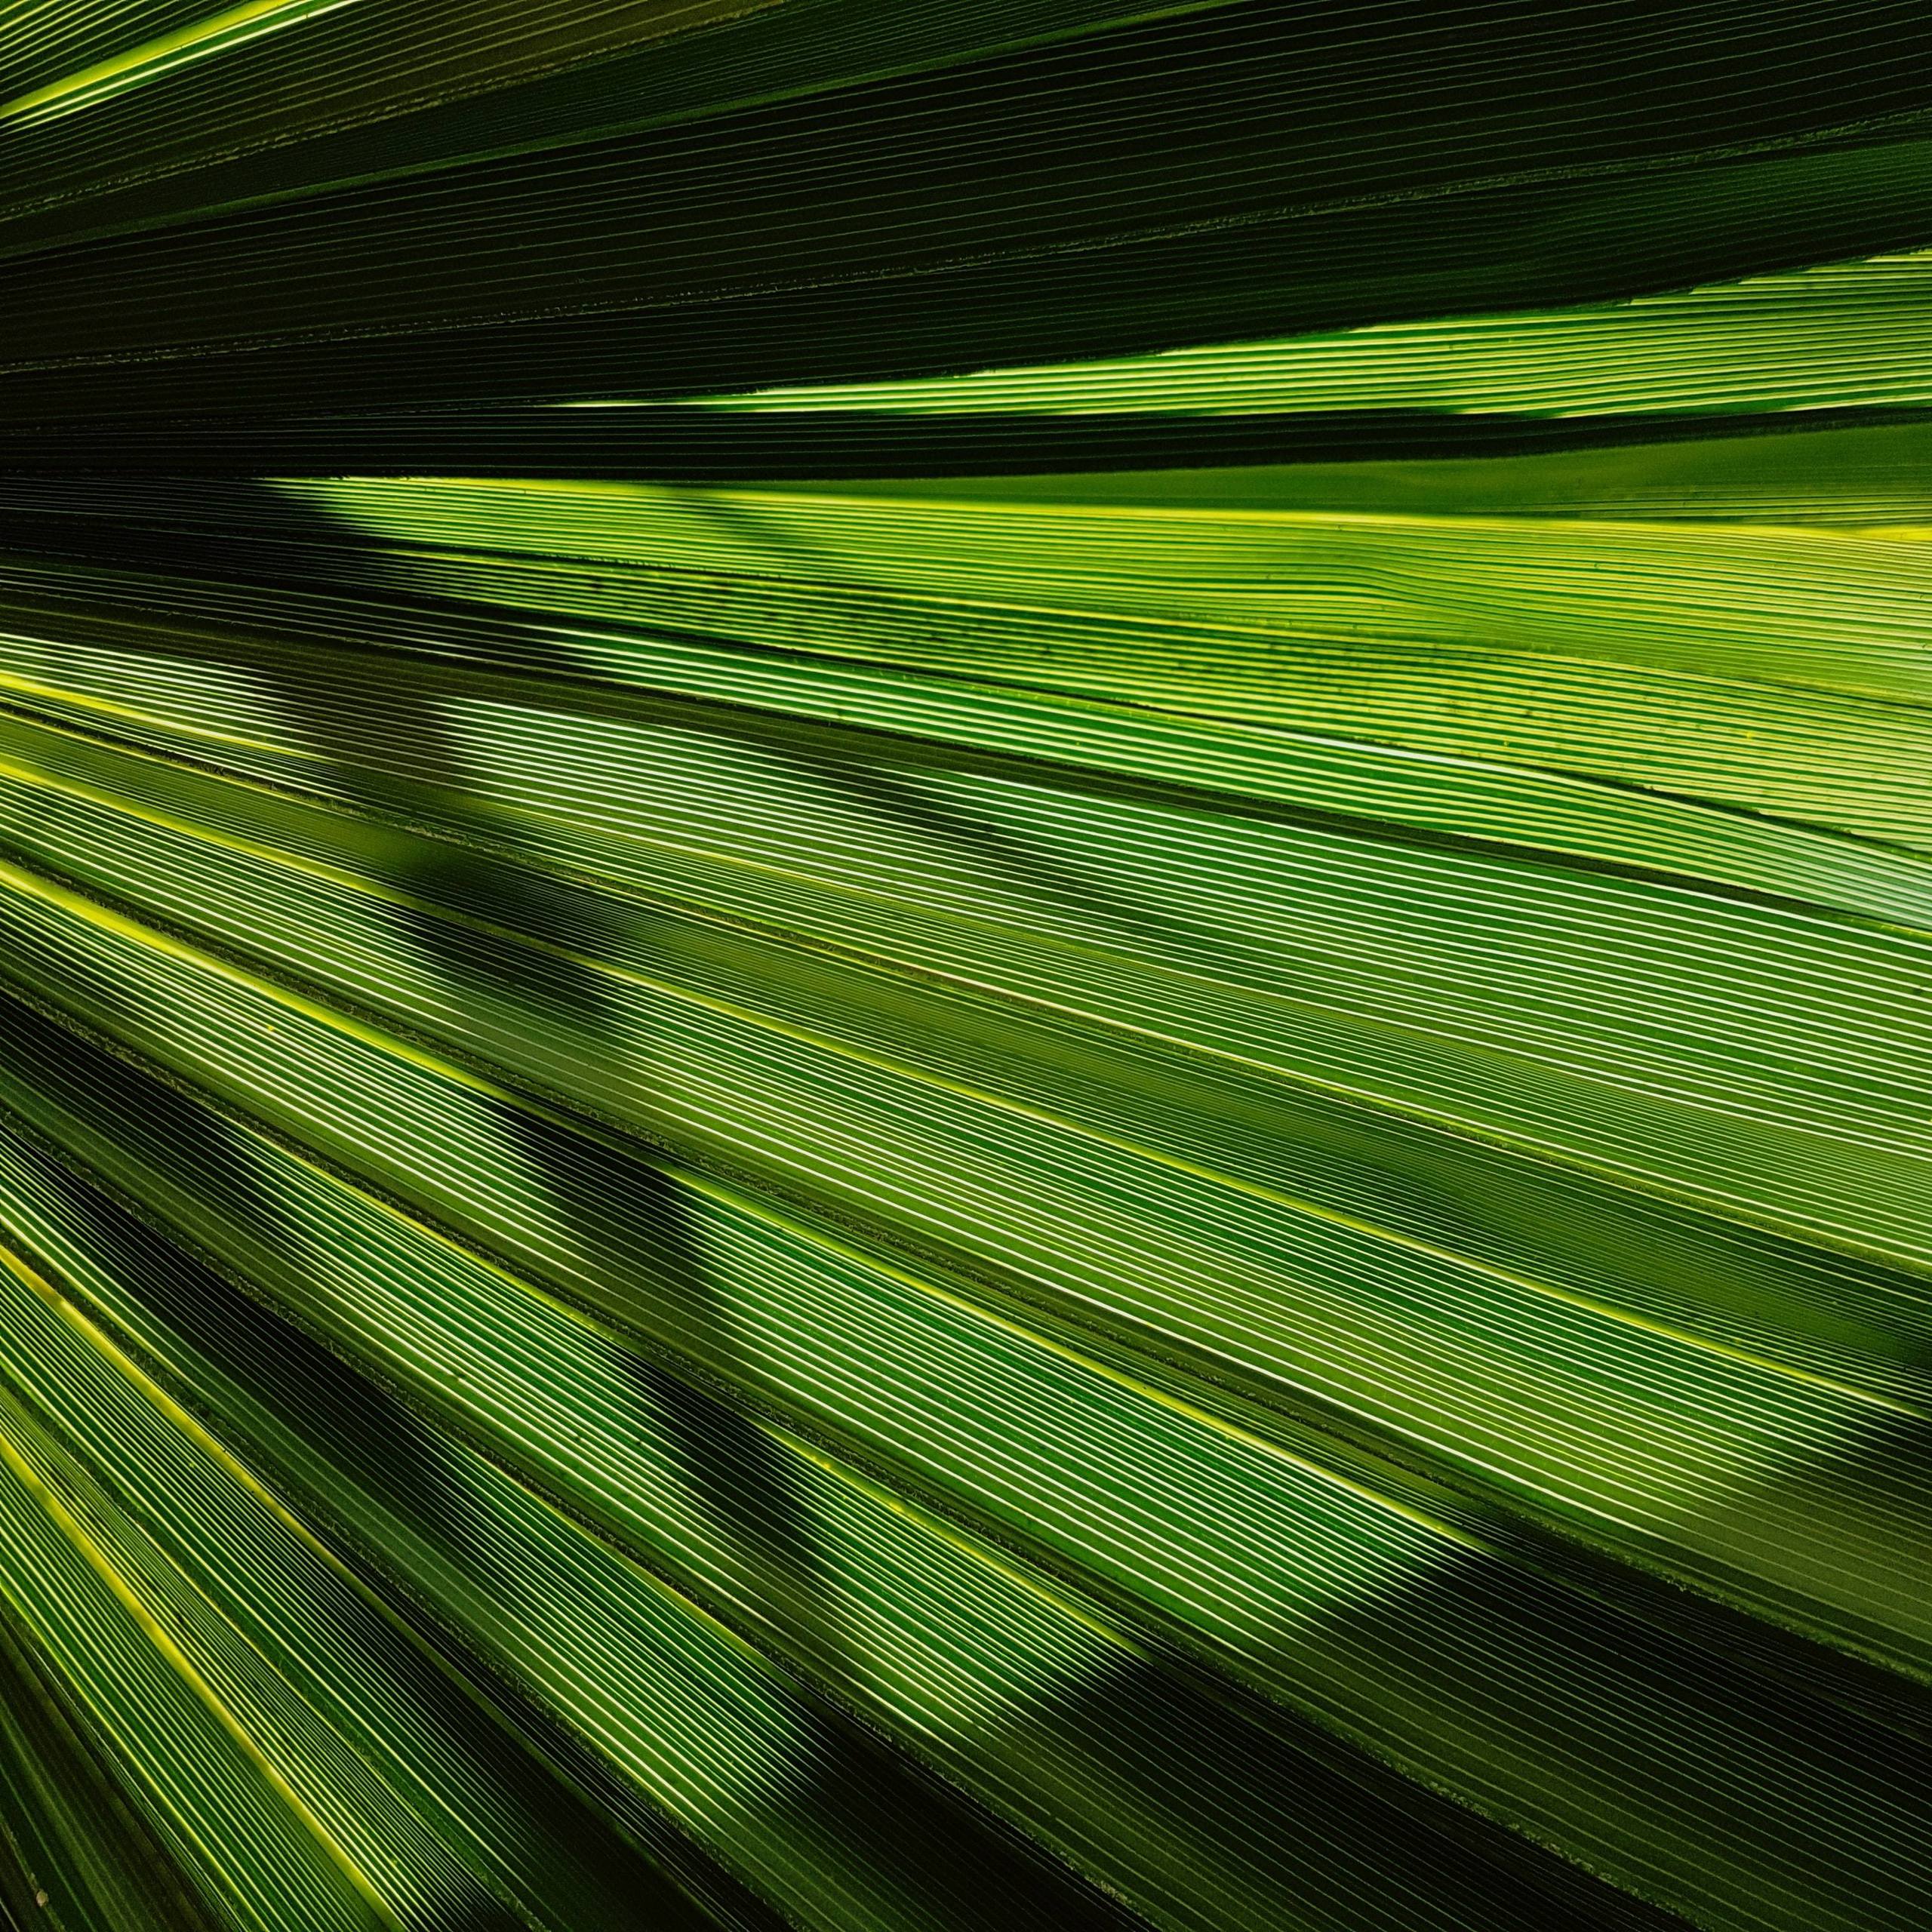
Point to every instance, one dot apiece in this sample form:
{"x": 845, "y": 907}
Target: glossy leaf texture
{"x": 965, "y": 965}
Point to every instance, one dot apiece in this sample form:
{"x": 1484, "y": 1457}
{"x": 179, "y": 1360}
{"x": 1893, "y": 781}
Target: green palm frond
{"x": 965, "y": 966}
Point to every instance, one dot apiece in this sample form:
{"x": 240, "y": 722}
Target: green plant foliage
{"x": 963, "y": 966}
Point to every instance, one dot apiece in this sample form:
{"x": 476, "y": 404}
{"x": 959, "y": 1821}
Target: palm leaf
{"x": 964, "y": 966}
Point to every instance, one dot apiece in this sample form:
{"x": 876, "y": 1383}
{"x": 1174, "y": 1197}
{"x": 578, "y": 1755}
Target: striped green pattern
{"x": 963, "y": 966}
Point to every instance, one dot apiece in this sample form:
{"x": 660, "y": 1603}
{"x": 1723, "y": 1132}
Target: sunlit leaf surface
{"x": 963, "y": 966}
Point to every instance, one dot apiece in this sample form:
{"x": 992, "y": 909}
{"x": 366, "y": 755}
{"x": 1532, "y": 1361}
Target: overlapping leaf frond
{"x": 965, "y": 965}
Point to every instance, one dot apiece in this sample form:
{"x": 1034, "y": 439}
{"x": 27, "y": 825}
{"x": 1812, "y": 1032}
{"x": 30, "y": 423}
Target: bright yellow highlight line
{"x": 122, "y": 71}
